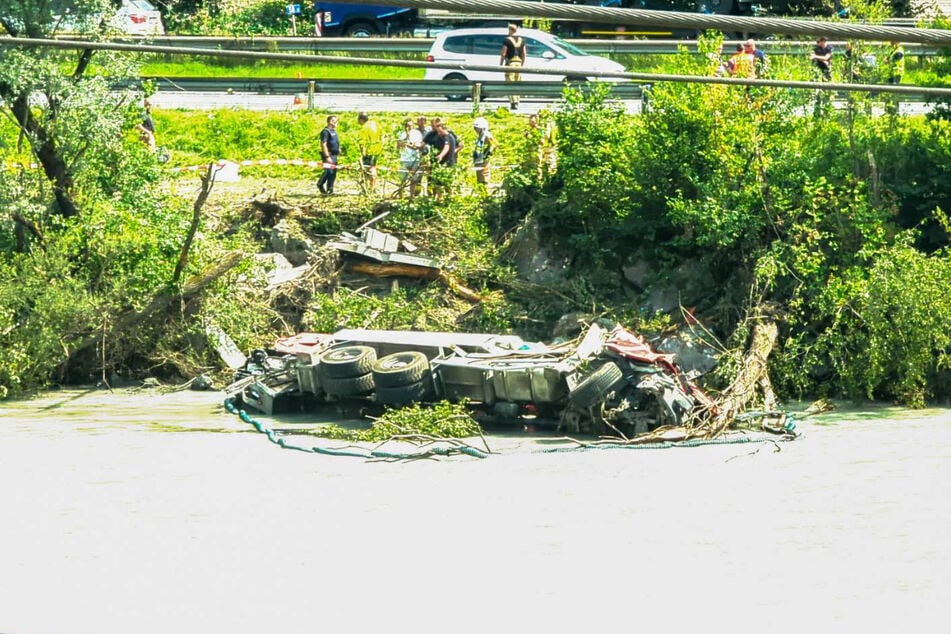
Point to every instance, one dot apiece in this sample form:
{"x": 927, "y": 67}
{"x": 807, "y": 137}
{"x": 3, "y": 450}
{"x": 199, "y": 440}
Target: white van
{"x": 483, "y": 47}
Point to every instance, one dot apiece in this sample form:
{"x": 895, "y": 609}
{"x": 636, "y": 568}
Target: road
{"x": 375, "y": 103}
{"x": 339, "y": 103}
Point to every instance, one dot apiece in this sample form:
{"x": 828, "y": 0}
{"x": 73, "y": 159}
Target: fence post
{"x": 476, "y": 95}
{"x": 310, "y": 94}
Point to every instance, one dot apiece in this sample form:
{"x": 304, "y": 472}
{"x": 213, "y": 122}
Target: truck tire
{"x": 348, "y": 385}
{"x": 596, "y": 386}
{"x": 456, "y": 77}
{"x": 338, "y": 363}
{"x": 362, "y": 28}
{"x": 417, "y": 392}
{"x": 400, "y": 369}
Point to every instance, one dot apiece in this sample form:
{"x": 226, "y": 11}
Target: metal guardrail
{"x": 422, "y": 45}
{"x": 455, "y": 90}
{"x": 398, "y": 88}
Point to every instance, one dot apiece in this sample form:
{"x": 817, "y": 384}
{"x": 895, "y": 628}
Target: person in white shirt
{"x": 409, "y": 141}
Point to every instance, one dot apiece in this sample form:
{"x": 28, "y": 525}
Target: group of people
{"x": 750, "y": 62}
{"x": 747, "y": 62}
{"x": 425, "y": 148}
{"x": 856, "y": 64}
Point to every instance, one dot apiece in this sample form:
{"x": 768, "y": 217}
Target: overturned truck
{"x": 606, "y": 382}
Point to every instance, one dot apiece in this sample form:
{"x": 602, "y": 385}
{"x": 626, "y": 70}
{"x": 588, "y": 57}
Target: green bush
{"x": 438, "y": 420}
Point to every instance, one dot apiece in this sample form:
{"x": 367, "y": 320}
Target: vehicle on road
{"x": 365, "y": 20}
{"x": 606, "y": 382}
{"x": 139, "y": 17}
{"x": 544, "y": 51}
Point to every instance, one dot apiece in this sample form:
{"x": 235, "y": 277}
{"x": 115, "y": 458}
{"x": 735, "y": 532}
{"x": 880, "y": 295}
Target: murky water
{"x": 130, "y": 513}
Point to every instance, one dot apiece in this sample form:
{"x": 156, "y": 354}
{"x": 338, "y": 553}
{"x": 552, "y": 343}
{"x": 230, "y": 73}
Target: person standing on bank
{"x": 484, "y": 145}
{"x": 896, "y": 63}
{"x": 408, "y": 142}
{"x": 513, "y": 56}
{"x": 821, "y": 57}
{"x": 896, "y": 70}
{"x": 370, "y": 140}
{"x": 329, "y": 152}
{"x": 146, "y": 129}
{"x": 760, "y": 61}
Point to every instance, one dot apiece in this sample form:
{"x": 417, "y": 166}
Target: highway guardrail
{"x": 399, "y": 88}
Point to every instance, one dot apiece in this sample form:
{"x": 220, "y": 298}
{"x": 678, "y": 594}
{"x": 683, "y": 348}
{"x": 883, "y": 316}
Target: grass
{"x": 200, "y": 137}
{"x": 265, "y": 69}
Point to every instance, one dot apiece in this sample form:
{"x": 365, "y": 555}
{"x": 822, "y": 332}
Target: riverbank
{"x": 144, "y": 512}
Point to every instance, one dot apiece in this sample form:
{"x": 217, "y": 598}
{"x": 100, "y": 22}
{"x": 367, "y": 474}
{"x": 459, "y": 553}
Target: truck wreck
{"x": 607, "y": 382}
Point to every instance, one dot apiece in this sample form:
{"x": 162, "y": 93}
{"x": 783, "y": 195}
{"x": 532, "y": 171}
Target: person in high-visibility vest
{"x": 742, "y": 63}
{"x": 896, "y": 63}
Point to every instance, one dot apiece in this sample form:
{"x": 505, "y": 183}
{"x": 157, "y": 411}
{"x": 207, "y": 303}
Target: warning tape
{"x": 266, "y": 162}
{"x": 317, "y": 164}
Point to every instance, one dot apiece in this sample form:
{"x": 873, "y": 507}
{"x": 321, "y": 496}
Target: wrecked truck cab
{"x": 608, "y": 382}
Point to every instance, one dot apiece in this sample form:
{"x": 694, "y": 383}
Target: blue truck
{"x": 365, "y": 20}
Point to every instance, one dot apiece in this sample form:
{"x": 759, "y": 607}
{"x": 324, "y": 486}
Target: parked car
{"x": 482, "y": 47}
{"x": 134, "y": 17}
{"x": 607, "y": 381}
{"x": 139, "y": 17}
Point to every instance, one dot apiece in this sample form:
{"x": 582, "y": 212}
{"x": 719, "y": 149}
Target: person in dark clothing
{"x": 446, "y": 155}
{"x": 444, "y": 159}
{"x": 146, "y": 129}
{"x": 760, "y": 60}
{"x": 329, "y": 152}
{"x": 821, "y": 57}
{"x": 147, "y": 122}
{"x": 513, "y": 56}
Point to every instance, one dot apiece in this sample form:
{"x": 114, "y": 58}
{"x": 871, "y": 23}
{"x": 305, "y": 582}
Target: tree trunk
{"x": 751, "y": 389}
{"x": 44, "y": 148}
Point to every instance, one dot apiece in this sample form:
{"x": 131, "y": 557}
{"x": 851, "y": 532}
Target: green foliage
{"x": 888, "y": 335}
{"x": 596, "y": 148}
{"x": 438, "y": 420}
{"x": 240, "y": 18}
{"x": 230, "y": 67}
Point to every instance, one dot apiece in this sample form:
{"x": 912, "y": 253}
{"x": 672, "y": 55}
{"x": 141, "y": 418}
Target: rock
{"x": 637, "y": 273}
{"x": 292, "y": 245}
{"x": 691, "y": 350}
{"x": 202, "y": 382}
{"x": 684, "y": 286}
{"x": 570, "y": 325}
{"x": 536, "y": 262}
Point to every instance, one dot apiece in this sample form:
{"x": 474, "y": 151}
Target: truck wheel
{"x": 419, "y": 391}
{"x": 346, "y": 361}
{"x": 456, "y": 77}
{"x": 348, "y": 385}
{"x": 596, "y": 386}
{"x": 362, "y": 29}
{"x": 401, "y": 369}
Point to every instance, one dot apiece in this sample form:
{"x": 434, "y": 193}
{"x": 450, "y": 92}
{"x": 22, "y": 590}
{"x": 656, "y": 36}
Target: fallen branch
{"x": 751, "y": 388}
{"x": 420, "y": 272}
{"x": 161, "y": 302}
